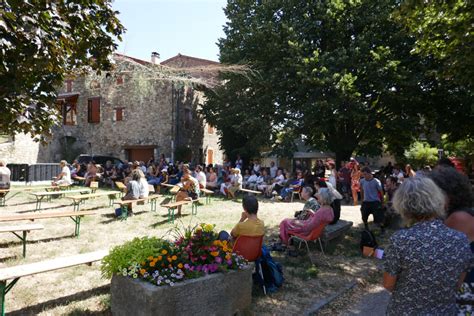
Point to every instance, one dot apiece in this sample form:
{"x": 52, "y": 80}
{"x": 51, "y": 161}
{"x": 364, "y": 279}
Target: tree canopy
{"x": 40, "y": 43}
{"x": 340, "y": 74}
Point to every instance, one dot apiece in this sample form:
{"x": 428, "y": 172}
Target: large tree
{"x": 339, "y": 73}
{"x": 40, "y": 43}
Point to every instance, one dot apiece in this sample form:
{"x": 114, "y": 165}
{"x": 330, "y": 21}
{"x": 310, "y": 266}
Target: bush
{"x": 421, "y": 154}
{"x": 132, "y": 252}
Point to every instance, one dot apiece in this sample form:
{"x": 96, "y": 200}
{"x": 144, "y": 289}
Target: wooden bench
{"x": 3, "y": 194}
{"x": 75, "y": 216}
{"x": 47, "y": 194}
{"x": 172, "y": 207}
{"x": 124, "y": 204}
{"x": 250, "y": 191}
{"x": 94, "y": 185}
{"x": 122, "y": 187}
{"x": 60, "y": 187}
{"x": 25, "y": 228}
{"x": 78, "y": 199}
{"x": 16, "y": 272}
{"x": 208, "y": 194}
{"x": 334, "y": 231}
{"x": 79, "y": 180}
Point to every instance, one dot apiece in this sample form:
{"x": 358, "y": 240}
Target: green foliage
{"x": 312, "y": 271}
{"x": 131, "y": 252}
{"x": 421, "y": 154}
{"x": 462, "y": 148}
{"x": 42, "y": 42}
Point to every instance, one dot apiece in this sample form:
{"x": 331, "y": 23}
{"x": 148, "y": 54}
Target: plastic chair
{"x": 313, "y": 236}
{"x": 250, "y": 247}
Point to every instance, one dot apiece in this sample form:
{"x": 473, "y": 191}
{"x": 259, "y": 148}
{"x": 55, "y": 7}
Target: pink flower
{"x": 203, "y": 257}
{"x": 218, "y": 259}
{"x": 229, "y": 262}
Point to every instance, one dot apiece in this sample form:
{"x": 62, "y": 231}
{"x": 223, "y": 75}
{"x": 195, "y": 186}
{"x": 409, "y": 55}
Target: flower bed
{"x": 147, "y": 273}
{"x": 195, "y": 252}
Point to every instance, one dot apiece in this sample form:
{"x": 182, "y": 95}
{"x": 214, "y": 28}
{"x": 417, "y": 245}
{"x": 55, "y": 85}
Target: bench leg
{"x": 171, "y": 215}
{"x": 4, "y": 289}
{"x": 194, "y": 208}
{"x": 77, "y": 221}
{"x": 153, "y": 205}
{"x": 77, "y": 206}
{"x": 23, "y": 239}
{"x": 2, "y": 200}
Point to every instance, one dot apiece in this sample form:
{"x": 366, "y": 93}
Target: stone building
{"x": 141, "y": 109}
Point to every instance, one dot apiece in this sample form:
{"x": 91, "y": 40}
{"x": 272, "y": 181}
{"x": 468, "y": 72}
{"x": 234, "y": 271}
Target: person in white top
{"x": 273, "y": 169}
{"x": 252, "y": 181}
{"x": 398, "y": 173}
{"x": 277, "y": 184}
{"x": 5, "y": 174}
{"x": 256, "y": 166}
{"x": 64, "y": 177}
{"x": 144, "y": 190}
{"x": 235, "y": 183}
{"x": 200, "y": 176}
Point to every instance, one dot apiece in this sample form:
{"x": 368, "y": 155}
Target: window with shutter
{"x": 119, "y": 114}
{"x": 93, "y": 110}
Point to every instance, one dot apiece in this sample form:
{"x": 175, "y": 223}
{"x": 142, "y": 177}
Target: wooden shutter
{"x": 93, "y": 110}
{"x": 210, "y": 157}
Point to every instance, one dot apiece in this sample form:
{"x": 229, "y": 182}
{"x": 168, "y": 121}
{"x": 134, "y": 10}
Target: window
{"x": 69, "y": 113}
{"x": 93, "y": 110}
{"x": 210, "y": 156}
{"x": 118, "y": 114}
{"x": 188, "y": 118}
{"x": 210, "y": 129}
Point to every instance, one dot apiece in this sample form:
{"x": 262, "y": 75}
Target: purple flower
{"x": 186, "y": 266}
{"x": 198, "y": 268}
{"x": 218, "y": 259}
{"x": 229, "y": 262}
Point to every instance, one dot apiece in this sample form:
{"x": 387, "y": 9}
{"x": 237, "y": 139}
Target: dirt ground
{"x": 81, "y": 290}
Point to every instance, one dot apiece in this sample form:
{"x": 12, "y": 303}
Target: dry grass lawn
{"x": 81, "y": 290}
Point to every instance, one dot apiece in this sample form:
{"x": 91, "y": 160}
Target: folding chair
{"x": 313, "y": 236}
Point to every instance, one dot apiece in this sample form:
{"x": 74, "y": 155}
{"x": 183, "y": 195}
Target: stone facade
{"x": 140, "y": 113}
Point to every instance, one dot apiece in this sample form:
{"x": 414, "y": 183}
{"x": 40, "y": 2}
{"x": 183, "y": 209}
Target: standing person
{"x": 397, "y": 172}
{"x": 425, "y": 263}
{"x": 5, "y": 174}
{"x": 332, "y": 174}
{"x": 371, "y": 193}
{"x": 460, "y": 216}
{"x": 273, "y": 169}
{"x": 256, "y": 167}
{"x": 355, "y": 183}
{"x": 64, "y": 177}
{"x": 344, "y": 180}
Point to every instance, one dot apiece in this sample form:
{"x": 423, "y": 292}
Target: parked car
{"x": 98, "y": 159}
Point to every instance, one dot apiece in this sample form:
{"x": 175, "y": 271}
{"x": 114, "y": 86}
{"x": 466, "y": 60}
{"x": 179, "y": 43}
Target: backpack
{"x": 272, "y": 272}
{"x": 367, "y": 239}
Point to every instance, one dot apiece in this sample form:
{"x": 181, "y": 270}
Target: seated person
{"x": 323, "y": 216}
{"x": 336, "y": 198}
{"x": 143, "y": 184}
{"x": 310, "y": 206}
{"x": 5, "y": 174}
{"x": 133, "y": 189}
{"x": 91, "y": 174}
{"x": 189, "y": 189}
{"x": 64, "y": 177}
{"x": 277, "y": 184}
{"x": 263, "y": 180}
{"x": 293, "y": 185}
{"x": 200, "y": 176}
{"x": 251, "y": 182}
{"x": 211, "y": 181}
{"x": 249, "y": 224}
{"x": 235, "y": 183}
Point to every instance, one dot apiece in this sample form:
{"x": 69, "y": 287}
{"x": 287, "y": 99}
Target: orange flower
{"x": 169, "y": 259}
{"x": 142, "y": 271}
{"x": 225, "y": 248}
{"x": 180, "y": 265}
{"x": 216, "y": 243}
{"x": 224, "y": 242}
{"x": 174, "y": 257}
{"x": 159, "y": 258}
{"x": 228, "y": 256}
{"x": 152, "y": 264}
{"x": 215, "y": 253}
{"x": 164, "y": 252}
{"x": 142, "y": 264}
{"x": 150, "y": 258}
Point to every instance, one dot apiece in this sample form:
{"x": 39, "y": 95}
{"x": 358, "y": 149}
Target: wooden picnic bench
{"x": 47, "y": 194}
{"x": 16, "y": 272}
{"x": 25, "y": 228}
{"x": 79, "y": 180}
{"x": 172, "y": 207}
{"x": 75, "y": 216}
{"x": 334, "y": 231}
{"x": 208, "y": 194}
{"x": 3, "y": 194}
{"x": 60, "y": 187}
{"x": 250, "y": 191}
{"x": 124, "y": 204}
{"x": 81, "y": 198}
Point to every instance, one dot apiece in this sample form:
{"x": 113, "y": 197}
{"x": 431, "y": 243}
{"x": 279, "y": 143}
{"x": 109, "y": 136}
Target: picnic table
{"x": 16, "y": 272}
{"x": 81, "y": 198}
{"x": 124, "y": 204}
{"x": 24, "y": 228}
{"x": 250, "y": 191}
{"x": 47, "y": 194}
{"x": 75, "y": 216}
{"x": 172, "y": 207}
{"x": 208, "y": 194}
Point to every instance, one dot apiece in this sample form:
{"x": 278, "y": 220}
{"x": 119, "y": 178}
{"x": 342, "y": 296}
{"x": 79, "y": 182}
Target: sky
{"x": 169, "y": 27}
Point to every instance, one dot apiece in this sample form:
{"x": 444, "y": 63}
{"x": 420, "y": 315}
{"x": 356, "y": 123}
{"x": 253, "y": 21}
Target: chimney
{"x": 155, "y": 58}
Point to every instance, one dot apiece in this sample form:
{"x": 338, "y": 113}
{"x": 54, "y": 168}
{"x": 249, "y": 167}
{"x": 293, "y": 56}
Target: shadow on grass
{"x": 37, "y": 241}
{"x": 165, "y": 221}
{"x": 5, "y": 259}
{"x": 64, "y": 301}
{"x": 44, "y": 208}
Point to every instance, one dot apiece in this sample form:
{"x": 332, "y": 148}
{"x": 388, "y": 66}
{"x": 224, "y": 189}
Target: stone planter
{"x": 215, "y": 294}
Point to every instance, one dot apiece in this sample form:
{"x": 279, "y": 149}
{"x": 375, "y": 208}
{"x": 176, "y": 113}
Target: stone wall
{"x": 20, "y": 149}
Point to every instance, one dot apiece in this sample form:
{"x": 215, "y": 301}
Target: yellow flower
{"x": 142, "y": 264}
{"x": 228, "y": 256}
{"x": 150, "y": 258}
{"x": 216, "y": 243}
{"x": 164, "y": 252}
{"x": 174, "y": 257}
{"x": 159, "y": 258}
{"x": 208, "y": 227}
{"x": 180, "y": 265}
{"x": 224, "y": 242}
{"x": 142, "y": 271}
{"x": 215, "y": 253}
{"x": 152, "y": 264}
{"x": 225, "y": 248}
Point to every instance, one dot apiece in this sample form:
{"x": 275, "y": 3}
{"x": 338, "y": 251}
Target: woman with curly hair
{"x": 460, "y": 216}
